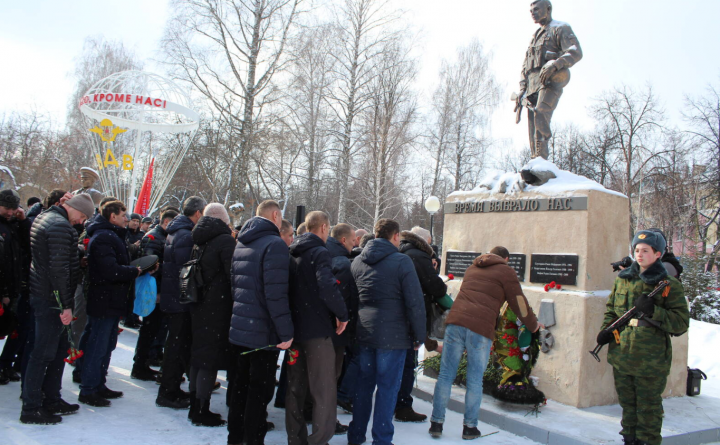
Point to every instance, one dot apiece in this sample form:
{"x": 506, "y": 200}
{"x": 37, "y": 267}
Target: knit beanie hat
{"x": 652, "y": 239}
{"x": 135, "y": 216}
{"x": 217, "y": 210}
{"x": 10, "y": 199}
{"x": 83, "y": 203}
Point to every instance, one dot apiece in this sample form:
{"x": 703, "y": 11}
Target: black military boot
{"x": 94, "y": 399}
{"x": 436, "y": 429}
{"x": 109, "y": 394}
{"x": 629, "y": 440}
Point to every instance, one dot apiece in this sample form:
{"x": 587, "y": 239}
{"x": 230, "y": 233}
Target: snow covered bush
{"x": 701, "y": 290}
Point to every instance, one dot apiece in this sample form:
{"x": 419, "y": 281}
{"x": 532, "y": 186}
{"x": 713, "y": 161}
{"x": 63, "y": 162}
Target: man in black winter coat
{"x": 111, "y": 278}
{"x": 14, "y": 270}
{"x": 318, "y": 312}
{"x": 152, "y": 244}
{"x": 416, "y": 245}
{"x": 340, "y": 245}
{"x": 178, "y": 250}
{"x": 260, "y": 317}
{"x": 54, "y": 273}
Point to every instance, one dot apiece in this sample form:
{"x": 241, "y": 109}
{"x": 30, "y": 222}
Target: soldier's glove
{"x": 645, "y": 305}
{"x": 604, "y": 337}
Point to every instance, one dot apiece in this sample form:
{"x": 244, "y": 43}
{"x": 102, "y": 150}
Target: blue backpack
{"x": 145, "y": 294}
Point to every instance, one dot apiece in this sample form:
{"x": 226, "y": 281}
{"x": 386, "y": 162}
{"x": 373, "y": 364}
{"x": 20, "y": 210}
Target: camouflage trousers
{"x": 641, "y": 402}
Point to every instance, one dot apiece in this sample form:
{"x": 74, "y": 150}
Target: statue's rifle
{"x": 524, "y": 102}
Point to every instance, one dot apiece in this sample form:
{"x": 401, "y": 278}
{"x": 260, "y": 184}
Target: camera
{"x": 625, "y": 263}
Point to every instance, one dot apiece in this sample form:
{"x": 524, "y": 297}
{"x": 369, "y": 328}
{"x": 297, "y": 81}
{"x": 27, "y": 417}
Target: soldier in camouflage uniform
{"x": 545, "y": 72}
{"x": 641, "y": 362}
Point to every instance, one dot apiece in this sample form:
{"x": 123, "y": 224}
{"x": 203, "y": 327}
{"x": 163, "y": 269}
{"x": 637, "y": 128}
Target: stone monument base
{"x": 569, "y": 236}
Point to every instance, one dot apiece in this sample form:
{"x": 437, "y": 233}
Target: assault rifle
{"x": 627, "y": 318}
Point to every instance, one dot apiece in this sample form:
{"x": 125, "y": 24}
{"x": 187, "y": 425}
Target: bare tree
{"x": 229, "y": 50}
{"x": 388, "y": 134}
{"x": 635, "y": 119}
{"x": 363, "y": 28}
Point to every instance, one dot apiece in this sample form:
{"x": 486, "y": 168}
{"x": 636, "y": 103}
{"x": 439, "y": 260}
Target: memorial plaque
{"x": 562, "y": 269}
{"x": 456, "y": 263}
{"x": 517, "y": 261}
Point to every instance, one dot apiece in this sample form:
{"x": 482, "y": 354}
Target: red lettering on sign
{"x": 109, "y": 97}
{"x": 127, "y": 98}
{"x": 164, "y": 104}
{"x": 148, "y": 101}
{"x": 157, "y": 102}
{"x": 119, "y": 97}
{"x": 138, "y": 100}
{"x": 95, "y": 97}
{"x": 102, "y": 96}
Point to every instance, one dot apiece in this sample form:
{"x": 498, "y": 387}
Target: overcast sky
{"x": 671, "y": 44}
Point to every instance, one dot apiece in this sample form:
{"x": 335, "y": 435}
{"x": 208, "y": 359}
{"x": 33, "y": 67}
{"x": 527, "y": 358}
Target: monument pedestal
{"x": 569, "y": 237}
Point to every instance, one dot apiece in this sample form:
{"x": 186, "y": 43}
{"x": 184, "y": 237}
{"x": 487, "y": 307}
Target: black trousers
{"x": 177, "y": 353}
{"x": 148, "y": 331}
{"x": 252, "y": 389}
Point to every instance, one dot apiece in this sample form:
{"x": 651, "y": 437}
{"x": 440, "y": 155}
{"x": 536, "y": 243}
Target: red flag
{"x": 143, "y": 202}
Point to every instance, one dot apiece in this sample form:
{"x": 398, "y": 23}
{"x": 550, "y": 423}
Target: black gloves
{"x": 645, "y": 305}
{"x": 604, "y": 337}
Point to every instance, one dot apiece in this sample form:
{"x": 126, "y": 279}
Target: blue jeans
{"x": 346, "y": 390}
{"x": 101, "y": 342}
{"x": 457, "y": 340}
{"x": 381, "y": 368}
{"x": 42, "y": 379}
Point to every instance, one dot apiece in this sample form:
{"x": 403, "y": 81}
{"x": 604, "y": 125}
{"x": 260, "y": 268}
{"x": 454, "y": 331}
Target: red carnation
{"x": 510, "y": 325}
{"x": 558, "y": 287}
{"x": 120, "y": 330}
{"x": 151, "y": 236}
{"x": 451, "y": 276}
{"x": 514, "y": 352}
{"x": 337, "y": 281}
{"x": 86, "y": 241}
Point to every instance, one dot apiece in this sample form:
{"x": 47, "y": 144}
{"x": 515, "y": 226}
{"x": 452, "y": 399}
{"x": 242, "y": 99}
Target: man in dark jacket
{"x": 152, "y": 244}
{"x": 261, "y": 317}
{"x": 14, "y": 270}
{"x": 54, "y": 273}
{"x": 318, "y": 313}
{"x": 111, "y": 280}
{"x": 340, "y": 246}
{"x": 416, "y": 245}
{"x": 391, "y": 320}
{"x": 178, "y": 250}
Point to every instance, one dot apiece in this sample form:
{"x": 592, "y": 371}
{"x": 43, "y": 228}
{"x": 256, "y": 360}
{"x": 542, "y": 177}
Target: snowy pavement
{"x": 134, "y": 419}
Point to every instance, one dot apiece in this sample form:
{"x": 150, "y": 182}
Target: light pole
{"x": 432, "y": 205}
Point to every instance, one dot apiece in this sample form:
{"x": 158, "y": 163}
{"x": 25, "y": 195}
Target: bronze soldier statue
{"x": 545, "y": 72}
{"x": 89, "y": 177}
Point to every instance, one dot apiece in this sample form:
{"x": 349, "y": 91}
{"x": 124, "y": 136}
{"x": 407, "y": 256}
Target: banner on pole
{"x": 143, "y": 202}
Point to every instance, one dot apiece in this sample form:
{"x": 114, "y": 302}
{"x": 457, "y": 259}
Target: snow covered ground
{"x": 135, "y": 419}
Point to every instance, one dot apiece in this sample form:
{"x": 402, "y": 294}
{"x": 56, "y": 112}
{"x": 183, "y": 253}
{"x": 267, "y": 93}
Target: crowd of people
{"x": 347, "y": 308}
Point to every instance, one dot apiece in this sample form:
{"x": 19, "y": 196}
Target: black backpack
{"x": 191, "y": 281}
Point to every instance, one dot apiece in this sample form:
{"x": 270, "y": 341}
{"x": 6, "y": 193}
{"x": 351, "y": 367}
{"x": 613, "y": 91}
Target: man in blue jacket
{"x": 318, "y": 312}
{"x": 110, "y": 283}
{"x": 391, "y": 320}
{"x": 178, "y": 250}
{"x": 260, "y": 320}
